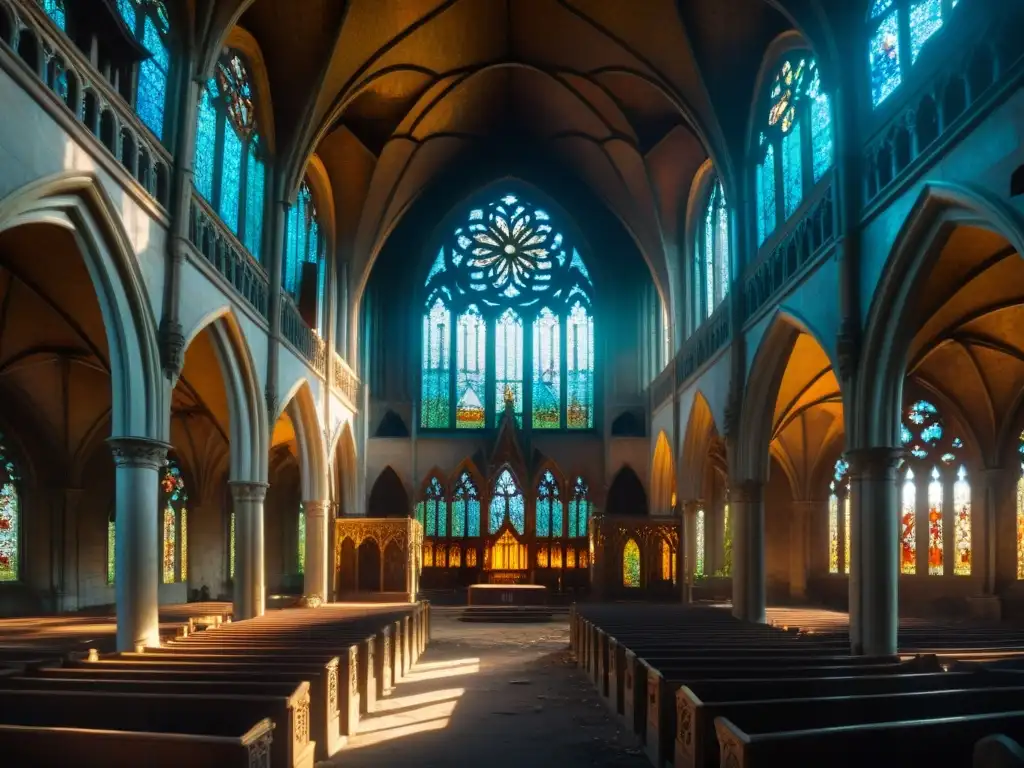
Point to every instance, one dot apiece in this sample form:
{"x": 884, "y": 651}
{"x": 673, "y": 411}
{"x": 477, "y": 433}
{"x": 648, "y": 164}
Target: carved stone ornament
{"x": 270, "y": 395}
{"x": 138, "y": 452}
{"x": 874, "y": 462}
{"x": 172, "y": 348}
{"x": 242, "y": 491}
{"x": 316, "y": 508}
{"x": 259, "y": 751}
{"x": 848, "y": 349}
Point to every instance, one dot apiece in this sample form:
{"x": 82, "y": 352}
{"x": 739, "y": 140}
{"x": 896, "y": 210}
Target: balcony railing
{"x": 228, "y": 257}
{"x": 799, "y": 248}
{"x": 301, "y": 336}
{"x": 705, "y": 342}
{"x": 345, "y": 380}
{"x": 83, "y": 91}
{"x": 970, "y": 81}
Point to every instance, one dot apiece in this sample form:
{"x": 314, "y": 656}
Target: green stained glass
{"x": 231, "y": 546}
{"x": 466, "y": 522}
{"x": 698, "y": 568}
{"x": 549, "y": 507}
{"x": 470, "y": 369}
{"x": 579, "y": 510}
{"x": 631, "y": 565}
{"x": 547, "y": 368}
{"x": 435, "y": 509}
{"x": 175, "y": 502}
{"x": 301, "y": 553}
{"x": 580, "y": 369}
{"x": 436, "y": 374}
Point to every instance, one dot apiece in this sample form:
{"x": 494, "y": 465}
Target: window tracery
{"x": 506, "y": 270}
{"x": 894, "y": 28}
{"x": 631, "y": 564}
{"x": 507, "y": 504}
{"x": 227, "y": 128}
{"x": 798, "y": 126}
{"x": 711, "y": 256}
{"x": 579, "y": 509}
{"x": 55, "y": 10}
{"x": 549, "y": 507}
{"x": 149, "y": 22}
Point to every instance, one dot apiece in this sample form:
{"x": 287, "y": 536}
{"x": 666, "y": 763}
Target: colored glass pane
{"x": 878, "y": 7}
{"x": 471, "y": 557}
{"x": 206, "y": 144}
{"x": 570, "y": 557}
{"x": 962, "y": 524}
{"x": 908, "y": 527}
{"x": 454, "y": 556}
{"x": 175, "y": 501}
{"x": 236, "y": 90}
{"x": 665, "y": 560}
{"x": 55, "y": 10}
{"x": 436, "y": 381}
{"x": 556, "y": 555}
{"x": 301, "y": 540}
{"x": 547, "y": 369}
{"x": 1020, "y": 525}
{"x": 428, "y": 554}
{"x": 579, "y": 509}
{"x": 183, "y": 523}
{"x": 847, "y": 548}
{"x": 549, "y": 507}
{"x": 698, "y": 568}
{"x": 230, "y": 179}
{"x": 884, "y": 55}
{"x": 170, "y": 544}
{"x": 707, "y": 279}
{"x": 925, "y": 21}
{"x": 542, "y": 556}
{"x": 254, "y": 202}
{"x": 792, "y": 170}
{"x": 507, "y": 504}
{"x": 111, "y": 551}
{"x": 10, "y": 518}
{"x": 470, "y": 368}
{"x": 466, "y": 507}
{"x": 722, "y": 243}
{"x": 821, "y": 125}
{"x": 726, "y": 542}
{"x": 580, "y": 369}
{"x": 152, "y": 93}
{"x": 935, "y": 562}
{"x": 631, "y": 565}
{"x": 231, "y": 546}
{"x": 833, "y": 532}
{"x": 508, "y": 364}
{"x": 435, "y": 509}
{"x": 766, "y": 195}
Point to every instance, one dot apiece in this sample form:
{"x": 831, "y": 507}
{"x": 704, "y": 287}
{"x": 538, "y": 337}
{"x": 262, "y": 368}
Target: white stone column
{"x": 875, "y": 539}
{"x": 748, "y": 581}
{"x": 314, "y": 581}
{"x": 137, "y": 462}
{"x": 250, "y": 576}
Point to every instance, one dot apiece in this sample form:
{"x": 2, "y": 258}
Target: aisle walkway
{"x": 496, "y": 696}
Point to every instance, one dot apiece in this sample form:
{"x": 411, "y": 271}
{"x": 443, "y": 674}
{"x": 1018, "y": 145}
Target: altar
{"x": 508, "y": 594}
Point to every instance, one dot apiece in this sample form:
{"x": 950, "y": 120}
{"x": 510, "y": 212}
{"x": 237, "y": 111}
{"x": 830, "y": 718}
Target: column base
{"x": 311, "y": 601}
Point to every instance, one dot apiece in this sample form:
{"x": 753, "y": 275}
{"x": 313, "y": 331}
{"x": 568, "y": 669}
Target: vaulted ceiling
{"x": 629, "y": 98}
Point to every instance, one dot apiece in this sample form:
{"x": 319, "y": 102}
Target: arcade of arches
{"x": 339, "y": 303}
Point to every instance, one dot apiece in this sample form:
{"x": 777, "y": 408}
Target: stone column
{"x": 992, "y": 479}
{"x": 138, "y": 461}
{"x": 799, "y": 547}
{"x": 687, "y": 554}
{"x": 748, "y": 581}
{"x": 314, "y": 581}
{"x": 874, "y": 544}
{"x": 250, "y": 577}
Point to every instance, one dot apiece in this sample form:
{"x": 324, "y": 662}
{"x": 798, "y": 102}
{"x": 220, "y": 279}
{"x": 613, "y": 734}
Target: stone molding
{"x": 245, "y": 491}
{"x": 138, "y": 452}
{"x": 874, "y": 463}
{"x": 316, "y": 508}
{"x": 746, "y": 492}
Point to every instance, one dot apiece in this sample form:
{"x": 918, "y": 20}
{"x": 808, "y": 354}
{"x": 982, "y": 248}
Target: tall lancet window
{"x": 579, "y": 509}
{"x": 304, "y": 266}
{"x": 10, "y": 517}
{"x": 520, "y": 296}
{"x": 711, "y": 256}
{"x": 797, "y": 128}
{"x": 148, "y": 21}
{"x": 466, "y": 507}
{"x": 432, "y": 509}
{"x": 507, "y": 504}
{"x": 549, "y": 507}
{"x": 839, "y": 553}
{"x": 174, "y": 523}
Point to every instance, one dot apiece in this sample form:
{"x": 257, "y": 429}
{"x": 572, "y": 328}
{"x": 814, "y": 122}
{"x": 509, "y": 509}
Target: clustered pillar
{"x": 250, "y": 579}
{"x": 686, "y": 558}
{"x": 748, "y": 580}
{"x": 138, "y": 462}
{"x": 314, "y": 584}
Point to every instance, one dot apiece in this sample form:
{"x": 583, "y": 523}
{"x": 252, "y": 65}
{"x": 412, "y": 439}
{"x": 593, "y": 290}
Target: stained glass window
{"x": 183, "y": 547}
{"x": 175, "y": 502}
{"x": 847, "y": 547}
{"x": 833, "y": 531}
{"x": 471, "y": 367}
{"x": 698, "y": 567}
{"x": 507, "y": 504}
{"x": 792, "y": 171}
{"x": 508, "y": 364}
{"x": 301, "y": 539}
{"x": 231, "y": 546}
{"x": 1020, "y": 512}
{"x": 227, "y": 129}
{"x": 666, "y": 560}
{"x": 506, "y": 271}
{"x": 547, "y": 369}
{"x": 886, "y": 74}
{"x": 961, "y": 524}
{"x": 908, "y": 526}
{"x": 10, "y": 518}
{"x": 631, "y": 565}
{"x": 925, "y": 21}
{"x": 436, "y": 380}
{"x": 111, "y": 550}
{"x": 839, "y": 518}
{"x": 466, "y": 507}
{"x": 711, "y": 256}
{"x": 549, "y": 517}
{"x": 889, "y": 39}
{"x": 766, "y": 194}
{"x": 454, "y": 556}
{"x": 580, "y": 351}
{"x": 579, "y": 509}
{"x": 821, "y": 126}
{"x": 148, "y": 21}
{"x": 726, "y": 541}
{"x": 304, "y": 243}
{"x": 432, "y": 510}
{"x": 935, "y": 524}
{"x": 55, "y": 10}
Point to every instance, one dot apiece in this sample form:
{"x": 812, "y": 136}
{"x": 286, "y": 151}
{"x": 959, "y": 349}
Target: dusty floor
{"x": 496, "y": 696}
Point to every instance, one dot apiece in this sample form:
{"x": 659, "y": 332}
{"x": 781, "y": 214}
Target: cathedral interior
{"x": 656, "y": 301}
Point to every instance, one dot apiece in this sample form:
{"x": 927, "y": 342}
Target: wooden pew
{"x": 208, "y": 714}
{"x": 936, "y": 741}
{"x": 92, "y": 748}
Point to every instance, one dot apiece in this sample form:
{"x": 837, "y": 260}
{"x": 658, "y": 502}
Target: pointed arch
{"x": 242, "y": 41}
{"x": 345, "y": 469}
{"x": 549, "y": 501}
{"x": 663, "y": 477}
{"x": 626, "y": 494}
{"x": 890, "y": 328}
{"x": 507, "y": 503}
{"x": 388, "y": 495}
{"x": 700, "y": 431}
{"x": 431, "y": 504}
{"x": 302, "y": 411}
{"x": 78, "y": 202}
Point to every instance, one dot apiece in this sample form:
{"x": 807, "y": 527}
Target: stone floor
{"x": 496, "y": 696}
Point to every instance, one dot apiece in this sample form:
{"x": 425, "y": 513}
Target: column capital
{"x": 138, "y": 452}
{"x": 874, "y": 462}
{"x": 690, "y": 506}
{"x": 243, "y": 491}
{"x": 316, "y": 508}
{"x": 745, "y": 492}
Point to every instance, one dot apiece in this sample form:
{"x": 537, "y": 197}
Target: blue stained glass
{"x": 435, "y": 509}
{"x": 508, "y": 364}
{"x": 230, "y": 179}
{"x": 458, "y": 518}
{"x": 206, "y": 145}
{"x": 841, "y": 468}
{"x": 254, "y": 204}
{"x": 879, "y": 7}
{"x": 708, "y": 266}
{"x": 470, "y": 369}
{"x": 925, "y": 21}
{"x": 128, "y": 9}
{"x": 549, "y": 507}
{"x": 434, "y": 394}
{"x": 321, "y": 301}
{"x": 905, "y": 434}
{"x": 437, "y": 267}
{"x": 722, "y": 243}
{"x": 821, "y": 125}
{"x": 420, "y": 512}
{"x": 468, "y": 499}
{"x": 766, "y": 195}
{"x": 580, "y": 369}
{"x": 886, "y": 74}
{"x": 547, "y": 370}
{"x": 792, "y": 171}
{"x": 932, "y": 433}
{"x": 958, "y": 443}
{"x": 579, "y": 509}
{"x": 55, "y": 10}
{"x": 507, "y": 504}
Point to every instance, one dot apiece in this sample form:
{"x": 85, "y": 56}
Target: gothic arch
{"x": 939, "y": 209}
{"x": 388, "y": 497}
{"x": 242, "y": 41}
{"x": 302, "y": 411}
{"x": 468, "y": 465}
{"x": 345, "y": 471}
{"x": 626, "y": 494}
{"x": 700, "y": 430}
{"x": 77, "y": 202}
{"x": 663, "y": 477}
{"x": 433, "y": 472}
